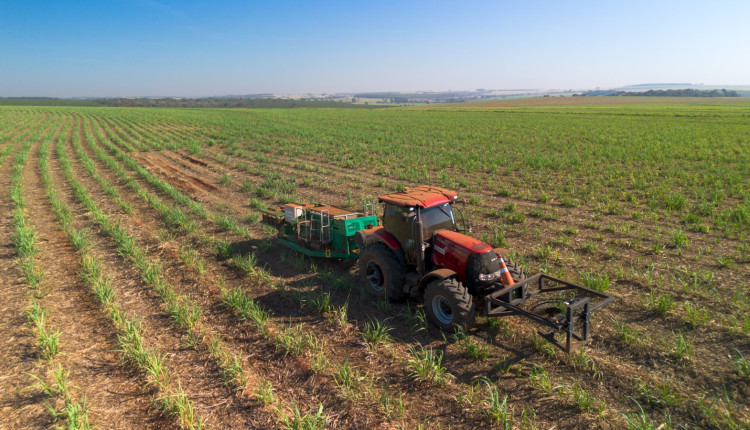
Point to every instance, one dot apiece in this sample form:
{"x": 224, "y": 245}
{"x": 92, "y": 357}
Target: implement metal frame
{"x": 577, "y": 311}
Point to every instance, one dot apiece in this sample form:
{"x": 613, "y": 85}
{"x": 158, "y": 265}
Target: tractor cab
{"x": 413, "y": 216}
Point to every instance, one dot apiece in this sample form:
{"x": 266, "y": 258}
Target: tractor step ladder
{"x": 315, "y": 227}
{"x": 324, "y": 233}
{"x": 369, "y": 208}
{"x": 304, "y": 227}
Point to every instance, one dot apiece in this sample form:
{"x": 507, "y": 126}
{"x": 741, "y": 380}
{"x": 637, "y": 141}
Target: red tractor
{"x": 418, "y": 251}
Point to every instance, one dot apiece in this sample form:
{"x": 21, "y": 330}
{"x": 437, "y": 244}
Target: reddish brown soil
{"x": 191, "y": 184}
{"x": 196, "y": 373}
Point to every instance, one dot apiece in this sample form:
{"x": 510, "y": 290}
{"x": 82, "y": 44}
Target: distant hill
{"x": 685, "y": 92}
{"x": 657, "y": 85}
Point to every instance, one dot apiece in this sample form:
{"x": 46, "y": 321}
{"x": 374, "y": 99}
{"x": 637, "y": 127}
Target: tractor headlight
{"x": 489, "y": 276}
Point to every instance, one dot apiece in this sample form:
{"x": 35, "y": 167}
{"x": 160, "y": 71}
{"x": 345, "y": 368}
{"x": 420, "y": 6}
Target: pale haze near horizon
{"x": 196, "y": 49}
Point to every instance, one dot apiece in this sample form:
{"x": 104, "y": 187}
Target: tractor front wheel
{"x": 381, "y": 271}
{"x": 449, "y": 304}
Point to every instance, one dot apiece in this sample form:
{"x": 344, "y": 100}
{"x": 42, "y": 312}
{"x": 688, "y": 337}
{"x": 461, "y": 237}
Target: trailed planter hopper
{"x": 319, "y": 230}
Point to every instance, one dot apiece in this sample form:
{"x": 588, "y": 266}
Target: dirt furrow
{"x": 174, "y": 131}
{"x": 155, "y": 140}
{"x": 198, "y": 376}
{"x": 88, "y": 346}
{"x": 18, "y": 407}
{"x": 239, "y": 339}
{"x": 130, "y": 133}
{"x": 22, "y": 134}
{"x": 15, "y": 130}
{"x": 11, "y": 118}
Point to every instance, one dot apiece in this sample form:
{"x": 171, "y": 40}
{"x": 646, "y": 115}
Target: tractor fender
{"x": 379, "y": 234}
{"x": 501, "y": 252}
{"x": 435, "y": 275}
{"x": 369, "y": 235}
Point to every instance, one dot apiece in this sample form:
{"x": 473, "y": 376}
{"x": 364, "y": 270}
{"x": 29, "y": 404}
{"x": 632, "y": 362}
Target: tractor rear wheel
{"x": 449, "y": 304}
{"x": 381, "y": 271}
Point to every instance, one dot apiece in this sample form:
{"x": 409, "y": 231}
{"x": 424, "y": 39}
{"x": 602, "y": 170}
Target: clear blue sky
{"x": 202, "y": 48}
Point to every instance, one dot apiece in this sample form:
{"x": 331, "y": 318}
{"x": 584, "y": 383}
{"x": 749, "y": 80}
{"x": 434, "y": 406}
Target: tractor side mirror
{"x": 467, "y": 227}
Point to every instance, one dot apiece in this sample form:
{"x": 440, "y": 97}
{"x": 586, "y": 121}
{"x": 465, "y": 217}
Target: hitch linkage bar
{"x": 577, "y": 311}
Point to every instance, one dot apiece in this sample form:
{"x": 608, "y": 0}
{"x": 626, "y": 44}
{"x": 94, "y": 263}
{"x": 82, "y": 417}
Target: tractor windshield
{"x": 437, "y": 218}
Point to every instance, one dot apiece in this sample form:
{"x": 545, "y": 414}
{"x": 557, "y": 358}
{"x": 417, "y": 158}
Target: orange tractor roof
{"x": 423, "y": 195}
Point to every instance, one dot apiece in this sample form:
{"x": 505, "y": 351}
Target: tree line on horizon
{"x": 685, "y": 92}
{"x": 263, "y": 103}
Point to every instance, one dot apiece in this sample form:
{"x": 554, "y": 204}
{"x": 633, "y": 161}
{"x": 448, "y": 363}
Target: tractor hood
{"x": 465, "y": 243}
{"x": 466, "y": 256}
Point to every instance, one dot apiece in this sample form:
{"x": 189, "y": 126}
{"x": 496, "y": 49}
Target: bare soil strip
{"x": 116, "y": 395}
{"x": 18, "y": 407}
{"x": 198, "y": 376}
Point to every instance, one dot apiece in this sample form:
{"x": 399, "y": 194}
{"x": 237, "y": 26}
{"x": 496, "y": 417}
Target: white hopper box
{"x": 292, "y": 211}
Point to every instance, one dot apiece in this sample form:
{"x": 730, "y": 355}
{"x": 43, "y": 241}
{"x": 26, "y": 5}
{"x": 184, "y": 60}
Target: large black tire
{"x": 449, "y": 304}
{"x": 381, "y": 272}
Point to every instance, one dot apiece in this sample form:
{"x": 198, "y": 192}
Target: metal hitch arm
{"x": 570, "y": 316}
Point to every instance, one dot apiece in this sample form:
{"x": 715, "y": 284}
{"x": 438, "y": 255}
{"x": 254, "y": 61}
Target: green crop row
{"x": 73, "y": 413}
{"x": 130, "y": 332}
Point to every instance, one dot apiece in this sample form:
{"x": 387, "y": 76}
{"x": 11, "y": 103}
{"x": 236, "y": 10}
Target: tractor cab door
{"x": 401, "y": 222}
